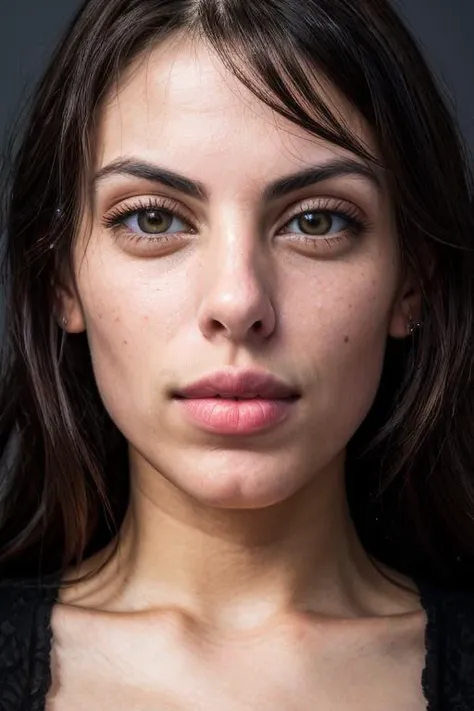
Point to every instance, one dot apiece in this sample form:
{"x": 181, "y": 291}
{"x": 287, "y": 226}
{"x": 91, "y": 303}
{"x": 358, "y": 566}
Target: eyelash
{"x": 115, "y": 219}
{"x": 339, "y": 208}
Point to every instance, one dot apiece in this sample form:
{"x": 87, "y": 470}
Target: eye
{"x": 154, "y": 221}
{"x": 320, "y": 223}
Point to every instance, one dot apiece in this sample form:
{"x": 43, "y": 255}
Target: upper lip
{"x": 238, "y": 383}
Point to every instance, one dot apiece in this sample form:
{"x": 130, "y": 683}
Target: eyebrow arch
{"x": 273, "y": 191}
{"x": 317, "y": 174}
{"x": 154, "y": 174}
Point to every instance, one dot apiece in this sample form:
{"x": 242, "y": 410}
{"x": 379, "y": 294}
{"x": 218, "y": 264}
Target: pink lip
{"x": 223, "y": 416}
{"x": 209, "y": 402}
{"x": 238, "y": 383}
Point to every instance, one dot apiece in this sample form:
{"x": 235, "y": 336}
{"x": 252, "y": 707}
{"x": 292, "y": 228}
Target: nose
{"x": 236, "y": 303}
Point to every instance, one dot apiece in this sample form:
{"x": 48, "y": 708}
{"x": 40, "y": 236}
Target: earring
{"x": 413, "y": 325}
{"x": 64, "y": 322}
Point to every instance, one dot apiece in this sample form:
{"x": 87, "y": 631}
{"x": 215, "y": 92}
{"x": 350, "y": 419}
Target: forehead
{"x": 179, "y": 104}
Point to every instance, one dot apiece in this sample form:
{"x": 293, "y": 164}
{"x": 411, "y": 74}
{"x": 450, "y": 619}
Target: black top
{"x": 26, "y": 640}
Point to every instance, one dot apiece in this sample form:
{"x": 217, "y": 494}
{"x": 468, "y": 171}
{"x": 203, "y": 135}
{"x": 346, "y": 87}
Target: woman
{"x": 237, "y": 396}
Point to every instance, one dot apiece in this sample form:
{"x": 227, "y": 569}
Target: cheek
{"x": 341, "y": 338}
{"x": 128, "y": 302}
{"x": 131, "y": 315}
{"x": 342, "y": 313}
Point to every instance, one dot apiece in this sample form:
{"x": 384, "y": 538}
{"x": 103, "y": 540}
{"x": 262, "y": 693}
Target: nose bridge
{"x": 236, "y": 299}
{"x": 237, "y": 249}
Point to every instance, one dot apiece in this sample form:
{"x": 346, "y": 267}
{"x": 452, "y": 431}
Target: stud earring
{"x": 413, "y": 326}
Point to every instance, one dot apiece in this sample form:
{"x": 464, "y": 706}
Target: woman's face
{"x": 303, "y": 283}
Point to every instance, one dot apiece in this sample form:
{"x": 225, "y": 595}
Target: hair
{"x": 64, "y": 465}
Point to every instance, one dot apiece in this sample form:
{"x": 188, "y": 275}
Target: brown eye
{"x": 319, "y": 225}
{"x": 315, "y": 223}
{"x": 154, "y": 221}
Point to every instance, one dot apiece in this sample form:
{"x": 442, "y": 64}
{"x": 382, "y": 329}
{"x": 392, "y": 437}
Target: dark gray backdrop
{"x": 29, "y": 29}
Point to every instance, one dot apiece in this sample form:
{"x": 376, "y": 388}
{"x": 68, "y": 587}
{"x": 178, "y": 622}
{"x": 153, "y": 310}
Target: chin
{"x": 244, "y": 490}
{"x": 232, "y": 479}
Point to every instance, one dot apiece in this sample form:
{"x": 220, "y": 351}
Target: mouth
{"x": 237, "y": 401}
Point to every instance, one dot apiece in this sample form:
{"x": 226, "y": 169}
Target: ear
{"x": 67, "y": 307}
{"x": 406, "y": 308}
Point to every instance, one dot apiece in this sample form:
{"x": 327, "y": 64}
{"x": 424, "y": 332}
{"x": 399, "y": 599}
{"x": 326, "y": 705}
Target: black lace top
{"x": 26, "y": 640}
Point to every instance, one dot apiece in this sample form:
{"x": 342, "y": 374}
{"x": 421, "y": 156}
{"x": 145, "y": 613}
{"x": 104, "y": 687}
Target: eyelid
{"x": 323, "y": 204}
{"x": 119, "y": 213}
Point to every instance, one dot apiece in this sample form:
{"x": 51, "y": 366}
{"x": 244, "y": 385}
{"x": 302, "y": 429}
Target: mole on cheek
{"x": 346, "y": 339}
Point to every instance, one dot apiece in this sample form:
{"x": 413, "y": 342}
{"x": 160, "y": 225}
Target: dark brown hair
{"x": 64, "y": 470}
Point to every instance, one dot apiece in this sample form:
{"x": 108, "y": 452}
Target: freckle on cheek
{"x": 346, "y": 339}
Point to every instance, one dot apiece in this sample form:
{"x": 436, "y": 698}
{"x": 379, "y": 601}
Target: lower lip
{"x": 223, "y": 416}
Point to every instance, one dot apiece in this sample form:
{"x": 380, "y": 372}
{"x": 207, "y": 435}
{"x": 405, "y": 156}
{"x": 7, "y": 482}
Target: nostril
{"x": 217, "y": 325}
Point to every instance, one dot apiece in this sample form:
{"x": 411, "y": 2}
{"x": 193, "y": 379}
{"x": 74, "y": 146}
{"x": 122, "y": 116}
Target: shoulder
{"x": 25, "y": 641}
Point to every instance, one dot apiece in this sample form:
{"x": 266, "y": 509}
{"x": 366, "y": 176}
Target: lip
{"x": 233, "y": 383}
{"x": 237, "y": 402}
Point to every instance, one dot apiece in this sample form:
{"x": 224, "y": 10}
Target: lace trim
{"x": 448, "y": 677}
{"x": 25, "y": 643}
{"x": 456, "y": 611}
{"x": 430, "y": 676}
{"x": 40, "y": 657}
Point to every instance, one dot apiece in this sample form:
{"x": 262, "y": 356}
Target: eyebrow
{"x": 274, "y": 190}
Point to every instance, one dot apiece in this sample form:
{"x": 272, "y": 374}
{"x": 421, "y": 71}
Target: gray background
{"x": 30, "y": 28}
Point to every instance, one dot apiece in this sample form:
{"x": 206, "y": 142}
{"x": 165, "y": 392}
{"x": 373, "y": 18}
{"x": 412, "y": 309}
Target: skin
{"x": 236, "y": 550}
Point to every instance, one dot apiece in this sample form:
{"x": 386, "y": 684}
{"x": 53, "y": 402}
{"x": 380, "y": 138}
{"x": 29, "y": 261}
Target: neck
{"x": 237, "y": 568}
